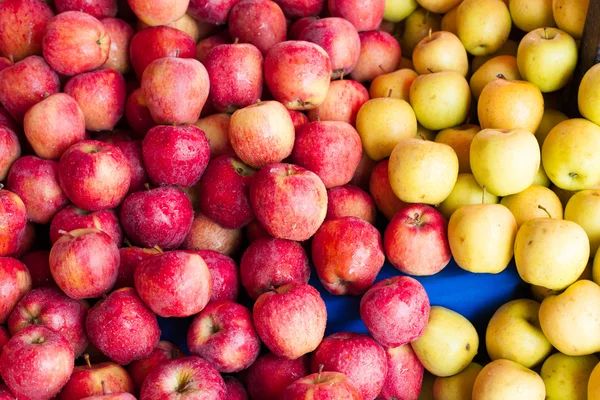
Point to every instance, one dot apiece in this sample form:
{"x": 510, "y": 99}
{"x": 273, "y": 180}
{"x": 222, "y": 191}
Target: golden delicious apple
{"x": 550, "y": 119}
{"x": 441, "y": 100}
{"x": 483, "y": 25}
{"x": 508, "y": 49}
{"x": 398, "y": 10}
{"x": 571, "y": 320}
{"x": 570, "y": 15}
{"x": 505, "y": 104}
{"x": 514, "y": 334}
{"x": 448, "y": 344}
{"x": 424, "y": 133}
{"x": 541, "y": 178}
{"x": 589, "y": 94}
{"x": 505, "y": 161}
{"x": 505, "y": 379}
{"x": 584, "y": 209}
{"x": 421, "y": 171}
{"x": 501, "y": 65}
{"x": 439, "y": 6}
{"x": 525, "y": 205}
{"x": 466, "y": 191}
{"x": 395, "y": 84}
{"x": 482, "y": 237}
{"x": 571, "y": 154}
{"x": 416, "y": 26}
{"x": 528, "y": 15}
{"x": 460, "y": 138}
{"x": 547, "y": 58}
{"x": 593, "y": 389}
{"x": 566, "y": 377}
{"x": 449, "y": 21}
{"x": 440, "y": 51}
{"x": 382, "y": 123}
{"x": 457, "y": 387}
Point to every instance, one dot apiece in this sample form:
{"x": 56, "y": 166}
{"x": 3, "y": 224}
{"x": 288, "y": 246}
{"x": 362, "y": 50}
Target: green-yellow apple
{"x": 547, "y": 58}
{"x": 541, "y": 178}
{"x": 571, "y": 154}
{"x": 589, "y": 96}
{"x": 449, "y": 21}
{"x": 439, "y": 6}
{"x": 584, "y": 209}
{"x": 505, "y": 161}
{"x": 440, "y": 51}
{"x": 570, "y": 15}
{"x": 398, "y": 10}
{"x": 525, "y": 205}
{"x": 514, "y": 334}
{"x": 528, "y": 15}
{"x": 448, "y": 344}
{"x": 466, "y": 191}
{"x": 566, "y": 377}
{"x": 505, "y": 379}
{"x": 488, "y": 72}
{"x": 593, "y": 389}
{"x": 550, "y": 119}
{"x": 441, "y": 100}
{"x": 571, "y": 320}
{"x": 482, "y": 237}
{"x": 382, "y": 123}
{"x": 483, "y": 25}
{"x": 416, "y": 26}
{"x": 457, "y": 387}
{"x": 395, "y": 84}
{"x": 422, "y": 171}
{"x": 508, "y": 49}
{"x": 460, "y": 138}
{"x": 505, "y": 104}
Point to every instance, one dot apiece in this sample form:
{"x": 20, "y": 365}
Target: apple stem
{"x": 103, "y": 387}
{"x": 236, "y": 40}
{"x": 317, "y": 117}
{"x": 430, "y": 70}
{"x": 545, "y": 210}
{"x": 1, "y": 186}
{"x": 87, "y": 360}
{"x": 390, "y": 92}
{"x": 147, "y": 186}
{"x": 127, "y": 242}
{"x": 321, "y": 366}
{"x": 381, "y": 68}
{"x": 430, "y": 32}
{"x": 342, "y": 75}
{"x": 63, "y": 232}
{"x": 421, "y": 136}
{"x": 483, "y": 194}
{"x": 501, "y": 76}
{"x": 157, "y": 248}
{"x": 545, "y": 33}
{"x": 177, "y": 52}
{"x": 46, "y": 95}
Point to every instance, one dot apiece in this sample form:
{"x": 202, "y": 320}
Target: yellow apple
{"x": 571, "y": 154}
{"x": 439, "y": 6}
{"x": 457, "y": 387}
{"x": 505, "y": 161}
{"x": 441, "y": 100}
{"x": 550, "y": 119}
{"x": 505, "y": 104}
{"x": 525, "y": 205}
{"x": 571, "y": 320}
{"x": 466, "y": 191}
{"x": 422, "y": 171}
{"x": 382, "y": 123}
{"x": 596, "y": 268}
{"x": 448, "y": 344}
{"x": 460, "y": 138}
{"x": 539, "y": 293}
{"x": 570, "y": 15}
{"x": 566, "y": 377}
{"x": 589, "y": 96}
{"x": 508, "y": 49}
{"x": 505, "y": 379}
{"x": 547, "y": 58}
{"x": 501, "y": 65}
{"x": 440, "y": 51}
{"x": 406, "y": 63}
{"x": 482, "y": 237}
{"x": 449, "y": 21}
{"x": 528, "y": 15}
{"x": 541, "y": 178}
{"x": 424, "y": 133}
{"x": 584, "y": 209}
{"x": 416, "y": 26}
{"x": 483, "y": 25}
{"x": 593, "y": 388}
{"x": 398, "y": 10}
{"x": 395, "y": 84}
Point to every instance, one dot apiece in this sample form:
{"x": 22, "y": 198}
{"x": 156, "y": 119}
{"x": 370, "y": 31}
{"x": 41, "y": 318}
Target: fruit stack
{"x": 199, "y": 160}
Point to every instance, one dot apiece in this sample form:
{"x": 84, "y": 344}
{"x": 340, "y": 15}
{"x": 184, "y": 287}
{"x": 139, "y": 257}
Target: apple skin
{"x": 204, "y": 46}
{"x": 37, "y": 262}
{"x": 117, "y": 396}
{"x": 344, "y": 99}
{"x": 357, "y": 356}
{"x": 35, "y": 181}
{"x": 350, "y": 201}
{"x": 8, "y": 121}
{"x": 96, "y": 380}
{"x": 16, "y": 282}
{"x": 5, "y": 394}
{"x": 291, "y": 319}
{"x": 26, "y": 83}
{"x": 225, "y": 275}
{"x": 235, "y": 389}
{"x": 298, "y": 26}
{"x": 51, "y": 308}
{"x": 254, "y": 231}
{"x": 380, "y": 188}
{"x": 4, "y": 337}
{"x": 270, "y": 375}
{"x": 214, "y": 12}
{"x": 206, "y": 234}
{"x": 96, "y": 8}
{"x": 130, "y": 258}
{"x": 30, "y": 236}
{"x": 258, "y": 22}
{"x": 70, "y": 218}
{"x": 137, "y": 113}
{"x": 174, "y": 284}
{"x": 223, "y": 335}
{"x": 161, "y": 12}
{"x": 138, "y": 370}
{"x": 175, "y": 155}
{"x": 132, "y": 150}
{"x": 395, "y": 311}
{"x": 157, "y": 217}
{"x": 216, "y": 129}
{"x": 348, "y": 254}
{"x": 75, "y": 42}
{"x": 365, "y": 15}
{"x": 14, "y": 221}
{"x": 416, "y": 240}
{"x": 298, "y": 118}
{"x": 121, "y": 34}
{"x": 379, "y": 54}
{"x": 297, "y": 9}
{"x": 36, "y": 363}
{"x": 123, "y": 327}
{"x": 322, "y": 386}
{"x": 405, "y": 374}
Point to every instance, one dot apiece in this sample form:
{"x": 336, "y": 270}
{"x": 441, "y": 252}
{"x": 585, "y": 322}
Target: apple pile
{"x": 199, "y": 159}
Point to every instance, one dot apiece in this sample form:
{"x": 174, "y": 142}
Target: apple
{"x": 269, "y": 376}
{"x": 322, "y": 385}
{"x": 70, "y": 218}
{"x": 289, "y": 201}
{"x": 380, "y": 188}
{"x": 398, "y": 10}
{"x": 379, "y": 54}
{"x": 505, "y": 379}
{"x": 416, "y": 27}
{"x": 258, "y": 22}
{"x": 138, "y": 370}
{"x": 299, "y": 25}
{"x": 213, "y": 12}
{"x": 501, "y": 66}
{"x": 116, "y": 396}
{"x": 395, "y": 310}
{"x": 6, "y": 120}
{"x": 297, "y": 9}
{"x": 16, "y": 283}
{"x": 298, "y": 118}
{"x": 206, "y": 234}
{"x": 440, "y": 51}
{"x": 459, "y": 386}
{"x": 132, "y": 150}
{"x": 570, "y": 16}
{"x": 362, "y": 175}
{"x": 28, "y": 240}
{"x": 350, "y": 201}
{"x": 586, "y": 99}
{"x": 36, "y": 363}
{"x": 98, "y": 9}
{"x": 37, "y": 262}
{"x": 122, "y": 327}
{"x": 342, "y": 103}
{"x": 225, "y": 275}
{"x": 566, "y": 376}
{"x": 404, "y": 375}
{"x": 531, "y": 202}
{"x": 509, "y": 48}
{"x": 158, "y": 12}
{"x": 467, "y": 191}
{"x": 460, "y": 139}
{"x": 120, "y": 33}
{"x": 216, "y": 129}
{"x": 196, "y": 29}
{"x": 254, "y": 231}
{"x": 235, "y": 389}
{"x": 528, "y": 16}
{"x": 4, "y": 337}
{"x": 204, "y": 46}
{"x": 14, "y": 221}
{"x": 137, "y": 113}
{"x": 365, "y": 15}
{"x": 581, "y": 210}
{"x": 395, "y": 84}
{"x": 483, "y": 25}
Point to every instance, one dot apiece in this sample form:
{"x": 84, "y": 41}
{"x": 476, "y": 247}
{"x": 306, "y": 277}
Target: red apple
{"x": 291, "y": 319}
{"x": 37, "y": 262}
{"x": 75, "y": 42}
{"x": 36, "y": 363}
{"x": 395, "y": 310}
{"x": 179, "y": 99}
{"x": 137, "y": 113}
{"x": 157, "y": 217}
{"x": 405, "y": 374}
{"x": 139, "y": 369}
{"x": 289, "y": 201}
{"x": 224, "y": 273}
{"x": 130, "y": 258}
{"x": 416, "y": 240}
{"x": 29, "y": 239}
{"x": 158, "y": 12}
{"x": 123, "y": 327}
{"x": 365, "y": 15}
{"x": 254, "y": 231}
{"x": 295, "y": 9}
{"x": 187, "y": 378}
{"x": 22, "y": 28}
{"x": 10, "y": 150}
{"x": 379, "y": 186}
{"x": 96, "y": 8}
{"x": 234, "y": 388}
{"x": 379, "y": 54}
{"x": 270, "y": 375}
{"x": 223, "y": 335}
{"x": 132, "y": 150}
{"x": 258, "y": 22}
{"x": 216, "y": 129}
{"x": 350, "y": 201}
{"x": 16, "y": 282}
{"x": 71, "y": 218}
{"x": 298, "y": 74}
{"x": 25, "y": 84}
{"x": 13, "y": 217}
{"x": 117, "y": 396}
{"x": 270, "y": 263}
{"x": 211, "y": 11}
{"x": 204, "y": 46}
{"x": 344, "y": 99}
{"x": 322, "y": 386}
{"x": 363, "y": 172}
{"x": 206, "y": 234}
{"x": 5, "y": 63}
{"x": 262, "y": 134}
{"x": 4, "y": 337}
{"x": 8, "y": 121}
{"x": 298, "y": 118}
{"x": 298, "y": 27}
{"x": 121, "y": 34}
{"x": 35, "y": 181}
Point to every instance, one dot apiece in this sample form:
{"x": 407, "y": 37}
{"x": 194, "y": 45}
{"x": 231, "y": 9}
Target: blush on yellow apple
{"x": 541, "y": 178}
{"x": 440, "y": 51}
{"x": 528, "y": 15}
{"x": 589, "y": 94}
{"x": 395, "y": 84}
{"x": 525, "y": 205}
{"x": 570, "y": 15}
{"x": 566, "y": 377}
{"x": 550, "y": 119}
{"x": 509, "y": 48}
{"x": 416, "y": 26}
{"x": 584, "y": 209}
{"x": 457, "y": 387}
{"x": 398, "y": 10}
{"x": 505, "y": 379}
{"x": 505, "y": 66}
{"x": 449, "y": 21}
{"x": 460, "y": 138}
{"x": 593, "y": 388}
{"x": 483, "y": 25}
{"x": 466, "y": 191}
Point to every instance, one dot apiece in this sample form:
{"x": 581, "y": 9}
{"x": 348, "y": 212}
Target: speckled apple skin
{"x": 130, "y": 258}
{"x": 235, "y": 389}
{"x": 13, "y": 219}
{"x": 225, "y": 275}
{"x": 365, "y": 15}
{"x": 15, "y": 282}
{"x": 344, "y": 99}
{"x": 296, "y": 9}
{"x": 259, "y": 22}
{"x": 132, "y": 150}
{"x": 323, "y": 386}
{"x": 22, "y": 27}
{"x": 70, "y": 218}
{"x": 137, "y": 113}
{"x": 270, "y": 375}
{"x": 139, "y": 369}
{"x": 204, "y": 46}
{"x": 10, "y": 150}
{"x": 405, "y": 374}
{"x": 105, "y": 377}
{"x": 206, "y": 234}
{"x": 350, "y": 201}
{"x": 379, "y": 186}
{"x": 96, "y": 8}
{"x": 121, "y": 34}
{"x": 380, "y": 53}
{"x": 211, "y": 11}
